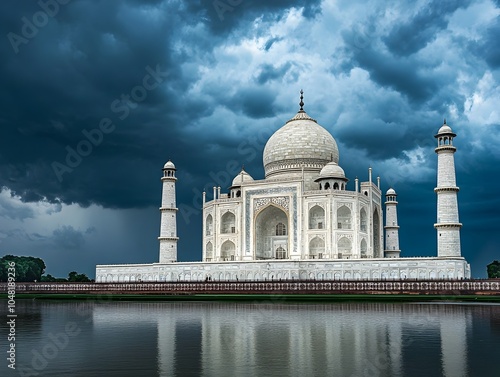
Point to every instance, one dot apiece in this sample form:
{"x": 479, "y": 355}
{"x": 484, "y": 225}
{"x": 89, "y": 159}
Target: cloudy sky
{"x": 95, "y": 96}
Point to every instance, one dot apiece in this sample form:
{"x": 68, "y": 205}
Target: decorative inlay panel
{"x": 346, "y": 235}
{"x": 280, "y": 201}
{"x": 322, "y": 205}
{"x": 348, "y": 205}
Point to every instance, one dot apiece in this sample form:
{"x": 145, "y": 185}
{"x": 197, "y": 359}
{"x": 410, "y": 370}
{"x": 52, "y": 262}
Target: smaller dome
{"x": 332, "y": 170}
{"x": 169, "y": 165}
{"x": 242, "y": 177}
{"x": 445, "y": 129}
{"x": 390, "y": 192}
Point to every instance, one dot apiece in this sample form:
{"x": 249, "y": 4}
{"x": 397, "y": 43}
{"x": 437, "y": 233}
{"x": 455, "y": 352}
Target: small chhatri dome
{"x": 445, "y": 129}
{"x": 390, "y": 192}
{"x": 242, "y": 177}
{"x": 300, "y": 143}
{"x": 332, "y": 170}
{"x": 169, "y": 165}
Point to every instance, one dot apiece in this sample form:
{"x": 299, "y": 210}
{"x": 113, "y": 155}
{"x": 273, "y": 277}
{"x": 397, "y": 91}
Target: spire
{"x": 301, "y": 114}
{"x": 444, "y": 121}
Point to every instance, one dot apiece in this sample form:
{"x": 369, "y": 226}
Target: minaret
{"x": 447, "y": 225}
{"x": 391, "y": 225}
{"x": 168, "y": 228}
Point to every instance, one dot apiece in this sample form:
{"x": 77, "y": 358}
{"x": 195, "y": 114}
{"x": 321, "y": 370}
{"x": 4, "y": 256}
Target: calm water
{"x": 57, "y": 338}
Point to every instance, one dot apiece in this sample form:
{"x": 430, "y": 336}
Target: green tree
{"x": 493, "y": 269}
{"x": 76, "y": 277}
{"x": 27, "y": 268}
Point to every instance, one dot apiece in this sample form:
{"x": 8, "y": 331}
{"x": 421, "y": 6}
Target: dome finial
{"x": 301, "y": 100}
{"x": 444, "y": 121}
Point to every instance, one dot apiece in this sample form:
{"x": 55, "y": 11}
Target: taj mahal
{"x": 302, "y": 222}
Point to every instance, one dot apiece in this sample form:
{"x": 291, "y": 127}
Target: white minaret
{"x": 447, "y": 225}
{"x": 168, "y": 227}
{"x": 391, "y": 225}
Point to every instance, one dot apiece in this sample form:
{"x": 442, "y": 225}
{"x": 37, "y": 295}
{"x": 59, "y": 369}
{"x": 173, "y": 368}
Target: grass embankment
{"x": 259, "y": 297}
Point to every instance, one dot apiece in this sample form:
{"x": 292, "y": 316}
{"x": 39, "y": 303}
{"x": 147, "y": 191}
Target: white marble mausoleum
{"x": 302, "y": 222}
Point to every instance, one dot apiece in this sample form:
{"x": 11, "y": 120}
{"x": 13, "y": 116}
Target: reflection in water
{"x": 264, "y": 339}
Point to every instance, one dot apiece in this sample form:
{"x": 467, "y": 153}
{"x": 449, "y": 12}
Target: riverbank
{"x": 277, "y": 297}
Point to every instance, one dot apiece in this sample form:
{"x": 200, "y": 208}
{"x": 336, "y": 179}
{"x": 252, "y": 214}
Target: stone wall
{"x": 430, "y": 287}
{"x": 287, "y": 270}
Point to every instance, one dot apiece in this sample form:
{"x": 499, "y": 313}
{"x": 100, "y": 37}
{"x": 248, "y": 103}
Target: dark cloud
{"x": 66, "y": 80}
{"x": 409, "y": 37}
{"x": 68, "y": 237}
{"x": 7, "y": 209}
{"x": 398, "y": 73}
{"x": 487, "y": 47}
{"x": 254, "y": 102}
{"x": 272, "y": 41}
{"x": 269, "y": 72}
{"x": 226, "y": 16}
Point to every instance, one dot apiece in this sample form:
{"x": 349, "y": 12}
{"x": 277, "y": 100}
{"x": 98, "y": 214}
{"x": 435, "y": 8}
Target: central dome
{"x": 301, "y": 144}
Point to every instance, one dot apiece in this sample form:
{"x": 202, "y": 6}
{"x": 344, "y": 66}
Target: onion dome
{"x": 300, "y": 144}
{"x": 445, "y": 130}
{"x": 332, "y": 170}
{"x": 390, "y": 192}
{"x": 242, "y": 177}
{"x": 169, "y": 165}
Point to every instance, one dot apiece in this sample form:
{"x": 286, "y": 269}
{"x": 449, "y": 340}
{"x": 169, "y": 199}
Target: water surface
{"x": 80, "y": 338}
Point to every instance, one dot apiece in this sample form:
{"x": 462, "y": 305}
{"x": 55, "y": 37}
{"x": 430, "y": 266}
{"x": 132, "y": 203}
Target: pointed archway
{"x": 376, "y": 234}
{"x": 271, "y": 234}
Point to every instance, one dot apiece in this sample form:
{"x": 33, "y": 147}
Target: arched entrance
{"x": 227, "y": 251}
{"x": 316, "y": 248}
{"x": 376, "y": 234}
{"x": 271, "y": 234}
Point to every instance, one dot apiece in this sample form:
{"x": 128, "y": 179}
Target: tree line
{"x": 33, "y": 269}
{"x": 493, "y": 270}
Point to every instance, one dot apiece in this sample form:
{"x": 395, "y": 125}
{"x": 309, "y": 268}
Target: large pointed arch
{"x": 363, "y": 247}
{"x": 316, "y": 217}
{"x": 209, "y": 249}
{"x": 228, "y": 223}
{"x": 376, "y": 233}
{"x": 363, "y": 220}
{"x": 344, "y": 218}
{"x": 209, "y": 225}
{"x": 228, "y": 251}
{"x": 344, "y": 247}
{"x": 270, "y": 240}
{"x": 316, "y": 248}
